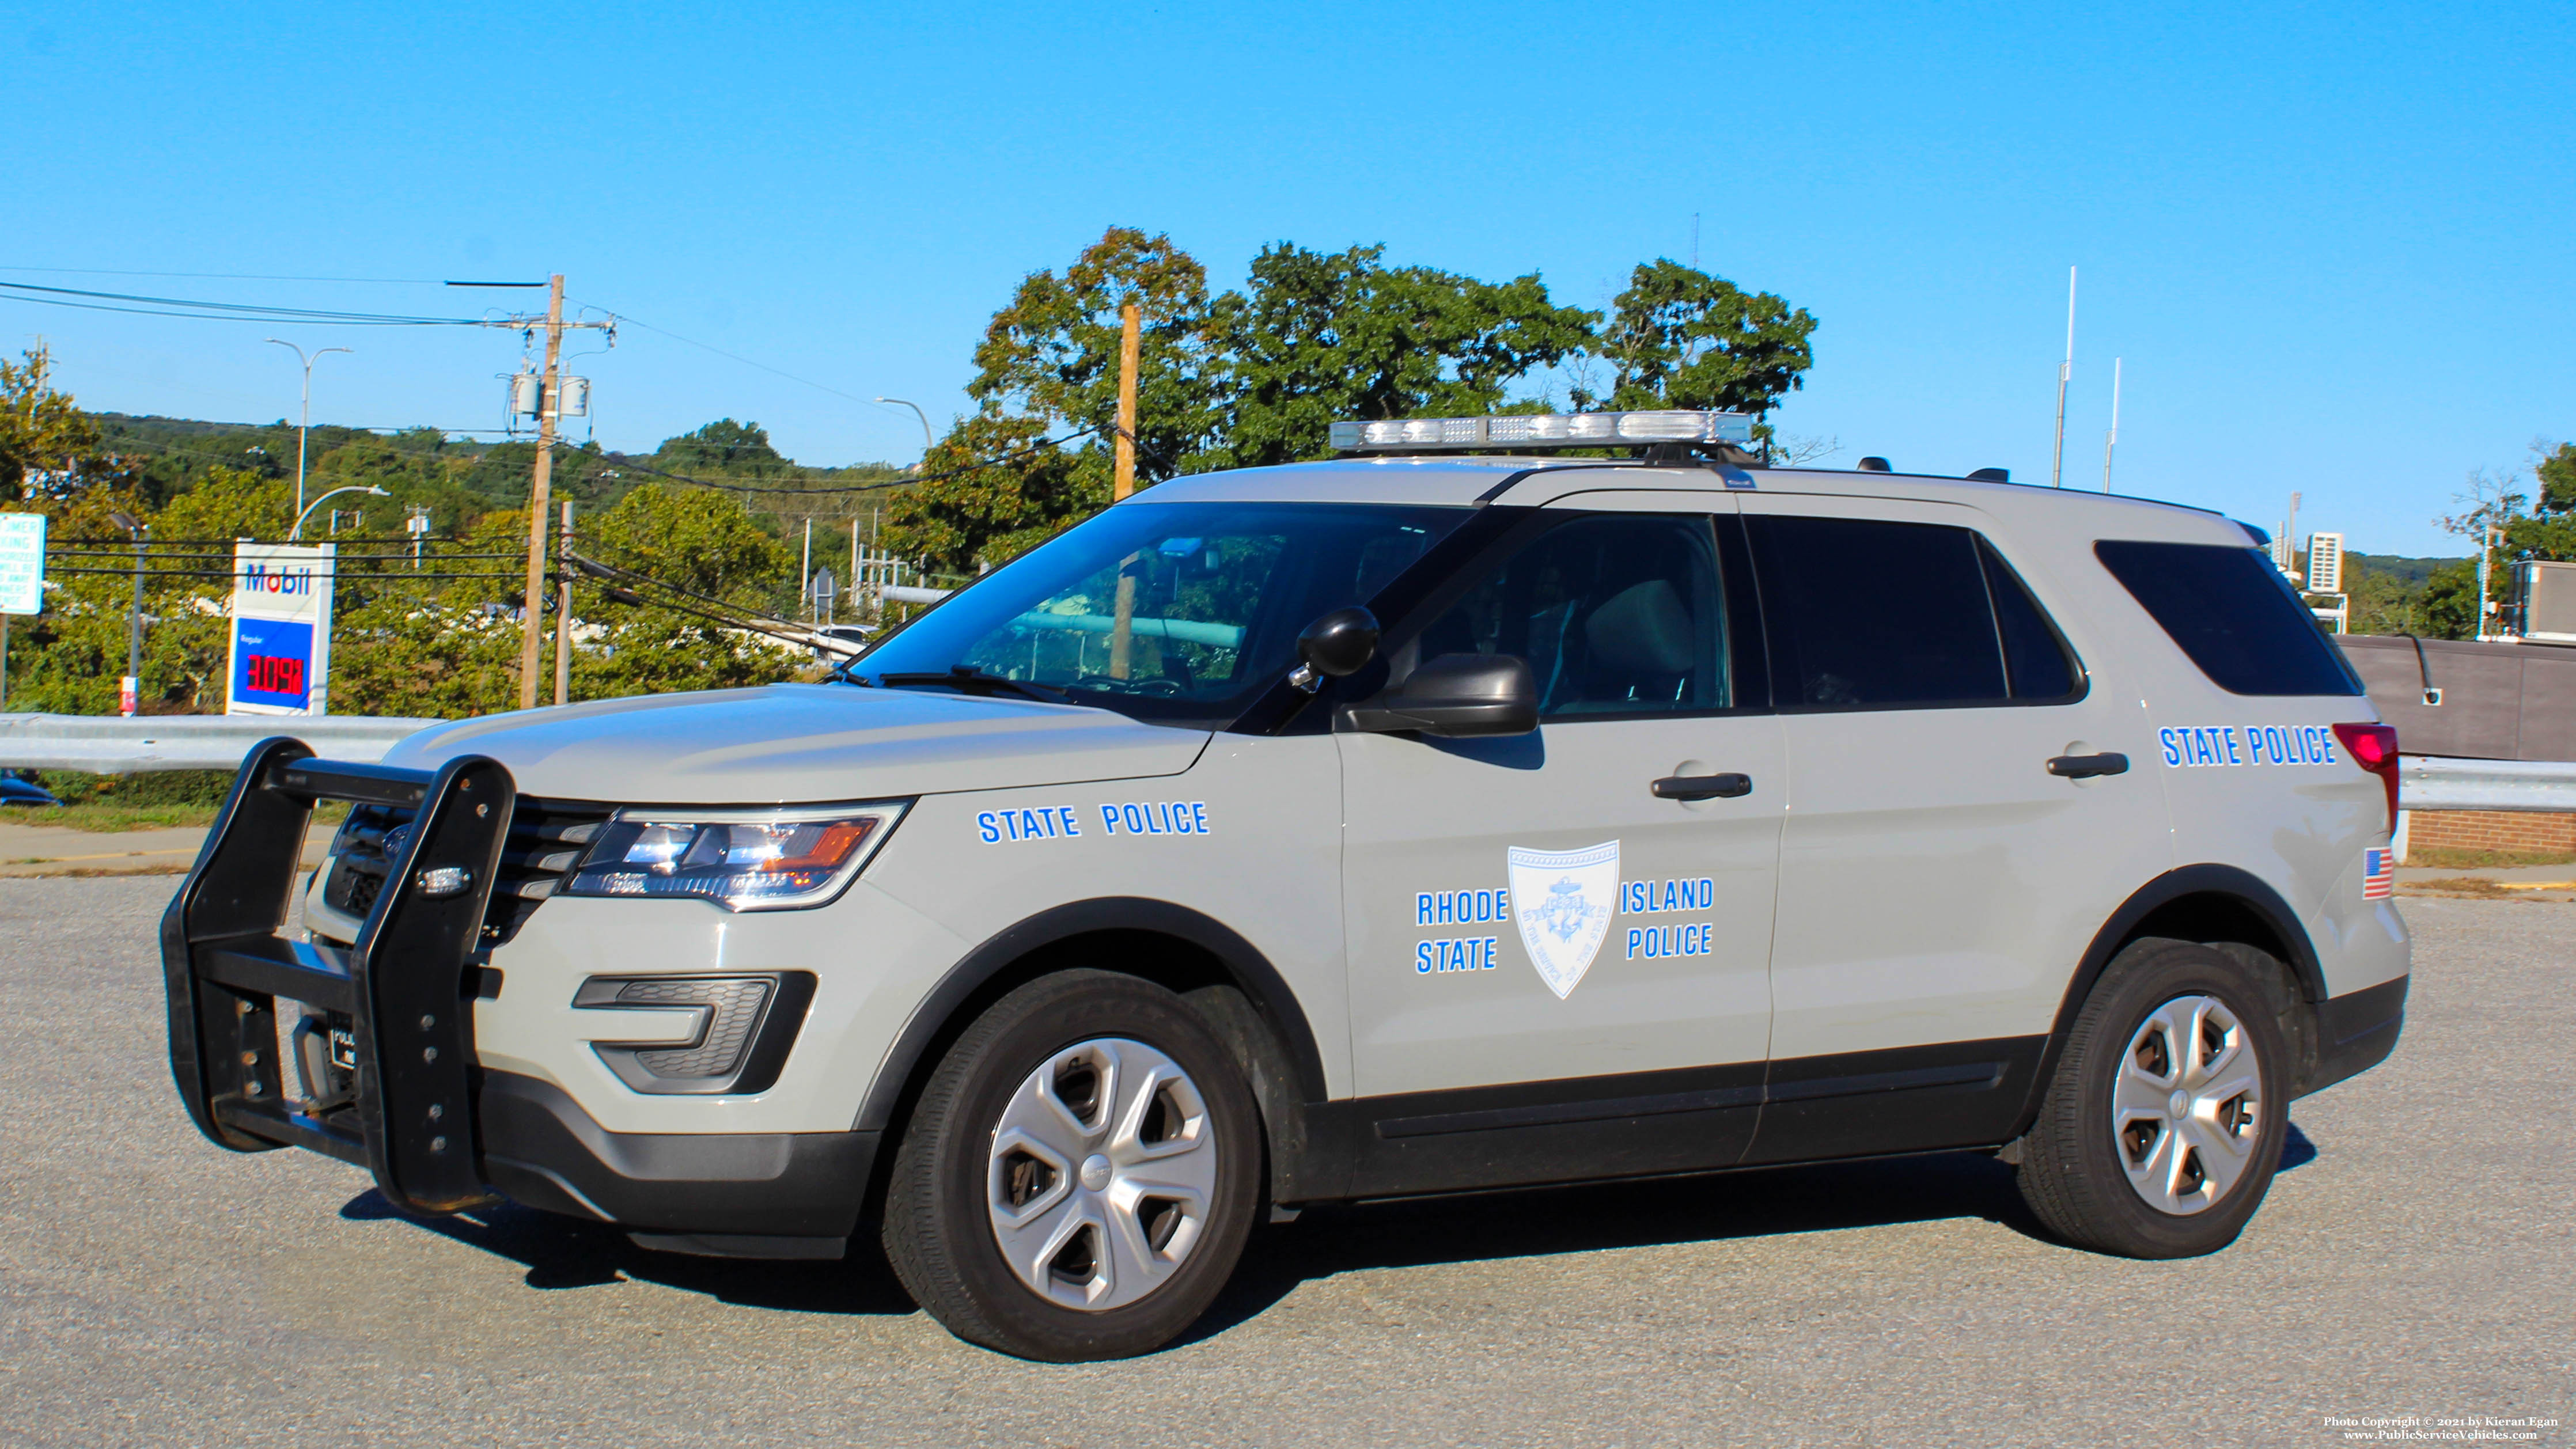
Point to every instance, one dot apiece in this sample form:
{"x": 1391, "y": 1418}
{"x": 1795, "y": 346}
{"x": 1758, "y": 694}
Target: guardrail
{"x": 2436, "y": 782}
{"x": 116, "y": 745}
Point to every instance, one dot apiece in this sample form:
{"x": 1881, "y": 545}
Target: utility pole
{"x": 563, "y": 611}
{"x": 129, "y": 691}
{"x": 2113, "y": 439}
{"x": 1130, "y": 328}
{"x": 2487, "y": 562}
{"x": 1123, "y": 483}
{"x": 541, "y": 492}
{"x": 532, "y": 634}
{"x": 2065, "y": 373}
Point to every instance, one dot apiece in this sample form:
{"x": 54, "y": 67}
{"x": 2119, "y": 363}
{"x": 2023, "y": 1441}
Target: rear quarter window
{"x": 2232, "y": 614}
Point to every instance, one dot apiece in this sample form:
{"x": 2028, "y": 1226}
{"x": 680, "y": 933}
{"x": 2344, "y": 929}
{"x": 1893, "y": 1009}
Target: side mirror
{"x": 1457, "y": 695}
{"x": 1338, "y": 643}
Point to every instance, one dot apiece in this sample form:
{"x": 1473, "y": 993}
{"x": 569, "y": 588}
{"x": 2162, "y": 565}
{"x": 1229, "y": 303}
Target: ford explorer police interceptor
{"x": 1457, "y": 814}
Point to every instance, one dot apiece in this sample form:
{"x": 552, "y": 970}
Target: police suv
{"x": 1459, "y": 814}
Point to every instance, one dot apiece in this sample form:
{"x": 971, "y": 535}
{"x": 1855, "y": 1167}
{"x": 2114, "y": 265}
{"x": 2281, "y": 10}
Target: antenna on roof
{"x": 2113, "y": 440}
{"x": 2065, "y": 370}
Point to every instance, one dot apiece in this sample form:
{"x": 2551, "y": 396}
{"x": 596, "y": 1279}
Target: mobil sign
{"x": 281, "y": 655}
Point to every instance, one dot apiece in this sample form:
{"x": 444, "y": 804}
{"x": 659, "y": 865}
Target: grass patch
{"x": 2453, "y": 857}
{"x": 110, "y": 817}
{"x": 2466, "y": 885}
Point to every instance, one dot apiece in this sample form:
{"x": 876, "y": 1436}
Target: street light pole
{"x": 304, "y": 420}
{"x": 297, "y": 531}
{"x": 925, "y": 423}
{"x": 922, "y": 466}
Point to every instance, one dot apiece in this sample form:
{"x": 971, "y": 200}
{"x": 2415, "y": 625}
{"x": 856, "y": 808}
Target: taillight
{"x": 2374, "y": 748}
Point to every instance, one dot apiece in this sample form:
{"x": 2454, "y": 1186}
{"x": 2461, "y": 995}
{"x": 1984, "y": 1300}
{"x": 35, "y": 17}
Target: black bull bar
{"x": 407, "y": 984}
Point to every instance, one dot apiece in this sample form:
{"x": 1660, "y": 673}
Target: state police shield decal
{"x": 1562, "y": 900}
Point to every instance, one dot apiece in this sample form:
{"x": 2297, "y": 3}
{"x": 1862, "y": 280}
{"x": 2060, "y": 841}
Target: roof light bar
{"x": 1542, "y": 430}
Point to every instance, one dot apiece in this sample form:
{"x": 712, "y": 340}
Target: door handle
{"x": 1702, "y": 787}
{"x": 2081, "y": 767}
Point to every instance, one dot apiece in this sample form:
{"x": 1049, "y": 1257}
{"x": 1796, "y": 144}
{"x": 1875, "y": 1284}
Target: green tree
{"x": 2549, "y": 532}
{"x": 2448, "y": 607}
{"x": 723, "y": 446}
{"x": 1317, "y": 337}
{"x": 1049, "y": 364}
{"x": 402, "y": 645}
{"x": 68, "y": 659}
{"x": 705, "y": 543}
{"x": 1052, "y": 354}
{"x": 992, "y": 514}
{"x": 42, "y": 432}
{"x": 2555, "y": 468}
{"x": 453, "y": 650}
{"x": 1681, "y": 338}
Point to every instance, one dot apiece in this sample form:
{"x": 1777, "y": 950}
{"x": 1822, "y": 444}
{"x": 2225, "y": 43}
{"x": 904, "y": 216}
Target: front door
{"x": 1530, "y": 910}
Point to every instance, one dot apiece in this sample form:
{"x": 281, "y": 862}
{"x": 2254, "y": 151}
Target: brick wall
{"x": 2490, "y": 830}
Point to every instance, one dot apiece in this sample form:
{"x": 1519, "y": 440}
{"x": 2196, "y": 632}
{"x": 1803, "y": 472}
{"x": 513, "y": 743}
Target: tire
{"x": 1080, "y": 1174}
{"x": 2111, "y": 1164}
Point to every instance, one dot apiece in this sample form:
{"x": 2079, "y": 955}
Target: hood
{"x": 791, "y": 743}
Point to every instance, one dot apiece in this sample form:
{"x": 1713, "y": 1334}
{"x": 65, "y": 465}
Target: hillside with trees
{"x": 709, "y": 527}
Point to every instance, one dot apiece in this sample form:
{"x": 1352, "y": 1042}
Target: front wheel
{"x": 2164, "y": 1122}
{"x": 1080, "y": 1175}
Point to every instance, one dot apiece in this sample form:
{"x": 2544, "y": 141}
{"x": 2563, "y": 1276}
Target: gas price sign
{"x": 281, "y": 656}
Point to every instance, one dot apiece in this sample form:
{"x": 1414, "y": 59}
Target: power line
{"x": 608, "y": 573}
{"x": 221, "y": 276}
{"x": 399, "y": 576}
{"x": 227, "y": 311}
{"x": 737, "y": 357}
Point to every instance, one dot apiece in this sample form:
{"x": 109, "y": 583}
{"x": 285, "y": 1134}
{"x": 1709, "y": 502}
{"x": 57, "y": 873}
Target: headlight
{"x": 743, "y": 860}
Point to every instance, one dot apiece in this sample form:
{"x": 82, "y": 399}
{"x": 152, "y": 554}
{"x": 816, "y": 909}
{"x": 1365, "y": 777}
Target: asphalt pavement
{"x": 2415, "y": 1260}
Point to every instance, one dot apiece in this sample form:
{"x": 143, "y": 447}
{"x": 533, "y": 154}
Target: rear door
{"x": 1938, "y": 883}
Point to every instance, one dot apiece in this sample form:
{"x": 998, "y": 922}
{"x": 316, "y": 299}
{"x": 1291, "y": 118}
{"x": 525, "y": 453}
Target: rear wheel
{"x": 1080, "y": 1175}
{"x": 2164, "y": 1123}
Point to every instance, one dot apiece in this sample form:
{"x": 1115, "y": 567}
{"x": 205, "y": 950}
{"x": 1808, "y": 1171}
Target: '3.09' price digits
{"x": 272, "y": 675}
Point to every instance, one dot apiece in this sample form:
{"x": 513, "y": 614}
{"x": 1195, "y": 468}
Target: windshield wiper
{"x": 971, "y": 679}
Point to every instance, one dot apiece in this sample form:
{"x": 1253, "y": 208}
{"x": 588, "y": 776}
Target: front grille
{"x": 546, "y": 837}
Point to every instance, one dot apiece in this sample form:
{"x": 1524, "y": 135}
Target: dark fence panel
{"x": 2499, "y": 701}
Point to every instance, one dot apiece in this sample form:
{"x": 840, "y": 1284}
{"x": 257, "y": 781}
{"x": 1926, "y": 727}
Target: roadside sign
{"x": 22, "y": 563}
{"x": 281, "y": 648}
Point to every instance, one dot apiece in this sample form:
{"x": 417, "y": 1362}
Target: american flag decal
{"x": 2378, "y": 874}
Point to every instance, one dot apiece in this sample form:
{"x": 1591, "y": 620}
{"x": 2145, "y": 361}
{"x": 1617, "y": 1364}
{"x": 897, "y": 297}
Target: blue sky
{"x": 2333, "y": 244}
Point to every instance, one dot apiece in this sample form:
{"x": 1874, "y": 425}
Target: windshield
{"x": 1178, "y": 613}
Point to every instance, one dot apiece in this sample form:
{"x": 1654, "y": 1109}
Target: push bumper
{"x": 439, "y": 1134}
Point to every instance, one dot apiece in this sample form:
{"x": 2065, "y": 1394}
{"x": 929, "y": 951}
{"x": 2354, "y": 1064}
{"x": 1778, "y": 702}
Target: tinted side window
{"x": 1616, "y": 614}
{"x": 1863, "y": 613}
{"x": 2232, "y": 612}
{"x": 2035, "y": 658}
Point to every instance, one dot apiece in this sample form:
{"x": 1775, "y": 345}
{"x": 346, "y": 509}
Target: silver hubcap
{"x": 1103, "y": 1165}
{"x": 2188, "y": 1107}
